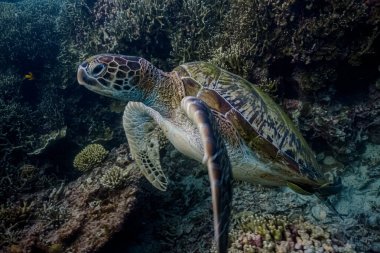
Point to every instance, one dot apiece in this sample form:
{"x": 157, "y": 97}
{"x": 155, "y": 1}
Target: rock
{"x": 327, "y": 248}
{"x": 320, "y": 156}
{"x": 375, "y": 247}
{"x": 329, "y": 161}
{"x": 298, "y": 246}
{"x": 318, "y": 213}
{"x": 309, "y": 250}
{"x": 374, "y": 133}
{"x": 377, "y": 84}
{"x": 374, "y": 221}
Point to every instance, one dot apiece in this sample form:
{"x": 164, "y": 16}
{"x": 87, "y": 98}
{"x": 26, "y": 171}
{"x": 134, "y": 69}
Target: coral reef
{"x": 42, "y": 117}
{"x": 24, "y": 37}
{"x": 294, "y": 49}
{"x": 179, "y": 220}
{"x": 28, "y": 172}
{"x": 315, "y": 52}
{"x": 343, "y": 128}
{"x": 12, "y": 213}
{"x": 318, "y": 58}
{"x": 259, "y": 33}
{"x": 195, "y": 30}
{"x": 267, "y": 233}
{"x": 79, "y": 216}
{"x": 28, "y": 44}
{"x": 89, "y": 157}
{"x": 22, "y": 121}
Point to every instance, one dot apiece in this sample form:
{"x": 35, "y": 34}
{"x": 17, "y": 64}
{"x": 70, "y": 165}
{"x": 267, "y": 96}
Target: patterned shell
{"x": 260, "y": 122}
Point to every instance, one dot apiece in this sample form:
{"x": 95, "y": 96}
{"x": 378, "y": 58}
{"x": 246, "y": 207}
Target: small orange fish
{"x": 29, "y": 76}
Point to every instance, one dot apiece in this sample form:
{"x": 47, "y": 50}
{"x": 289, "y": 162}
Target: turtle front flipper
{"x": 218, "y": 164}
{"x": 142, "y": 130}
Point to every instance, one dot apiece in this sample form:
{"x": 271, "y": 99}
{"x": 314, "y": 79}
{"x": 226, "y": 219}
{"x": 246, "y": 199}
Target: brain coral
{"x": 89, "y": 157}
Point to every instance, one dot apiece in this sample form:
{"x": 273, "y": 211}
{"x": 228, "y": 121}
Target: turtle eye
{"x": 98, "y": 69}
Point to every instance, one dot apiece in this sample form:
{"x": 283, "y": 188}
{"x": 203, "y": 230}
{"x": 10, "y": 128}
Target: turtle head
{"x": 118, "y": 76}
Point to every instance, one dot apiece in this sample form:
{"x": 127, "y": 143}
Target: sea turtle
{"x": 212, "y": 116}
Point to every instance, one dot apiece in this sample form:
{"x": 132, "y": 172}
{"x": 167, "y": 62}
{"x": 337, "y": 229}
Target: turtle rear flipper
{"x": 218, "y": 164}
{"x": 142, "y": 133}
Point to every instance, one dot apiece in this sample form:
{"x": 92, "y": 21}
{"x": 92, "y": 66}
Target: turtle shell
{"x": 260, "y": 122}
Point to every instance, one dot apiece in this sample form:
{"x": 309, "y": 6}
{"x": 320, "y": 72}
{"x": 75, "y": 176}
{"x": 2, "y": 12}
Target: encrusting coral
{"x": 89, "y": 157}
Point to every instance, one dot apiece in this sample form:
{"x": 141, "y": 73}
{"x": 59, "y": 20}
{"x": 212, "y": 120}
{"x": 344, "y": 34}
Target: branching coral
{"x": 232, "y": 58}
{"x": 123, "y": 26}
{"x": 47, "y": 140}
{"x": 120, "y": 23}
{"x": 268, "y": 227}
{"x": 28, "y": 172}
{"x": 53, "y": 214}
{"x": 89, "y": 157}
{"x": 195, "y": 29}
{"x": 13, "y": 214}
{"x": 114, "y": 177}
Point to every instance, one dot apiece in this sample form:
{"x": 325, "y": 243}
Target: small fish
{"x": 29, "y": 76}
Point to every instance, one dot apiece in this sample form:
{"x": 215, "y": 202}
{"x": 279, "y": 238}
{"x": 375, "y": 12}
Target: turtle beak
{"x": 81, "y": 74}
{"x": 83, "y": 77}
{"x": 91, "y": 83}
